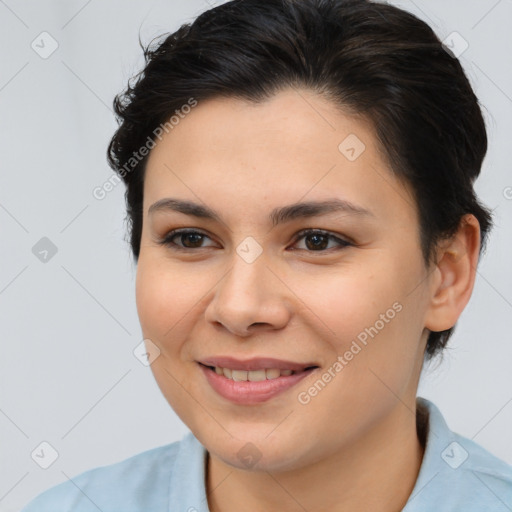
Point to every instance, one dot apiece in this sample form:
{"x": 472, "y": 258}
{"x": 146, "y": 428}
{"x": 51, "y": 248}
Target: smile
{"x": 252, "y": 386}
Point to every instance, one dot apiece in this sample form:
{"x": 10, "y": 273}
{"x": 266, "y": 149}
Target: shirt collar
{"x": 438, "y": 438}
{"x": 188, "y": 482}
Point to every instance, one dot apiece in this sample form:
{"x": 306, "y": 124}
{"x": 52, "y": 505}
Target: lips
{"x": 250, "y": 392}
{"x": 256, "y": 363}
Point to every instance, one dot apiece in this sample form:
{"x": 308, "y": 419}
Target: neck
{"x": 376, "y": 472}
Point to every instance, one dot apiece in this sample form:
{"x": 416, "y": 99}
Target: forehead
{"x": 258, "y": 156}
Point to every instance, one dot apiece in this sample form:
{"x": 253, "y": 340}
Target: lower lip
{"x": 247, "y": 392}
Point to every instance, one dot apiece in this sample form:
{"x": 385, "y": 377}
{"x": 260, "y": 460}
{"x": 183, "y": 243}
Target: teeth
{"x": 256, "y": 375}
{"x": 273, "y": 373}
{"x": 239, "y": 375}
{"x": 252, "y": 375}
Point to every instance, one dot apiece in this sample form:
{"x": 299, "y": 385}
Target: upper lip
{"x": 255, "y": 363}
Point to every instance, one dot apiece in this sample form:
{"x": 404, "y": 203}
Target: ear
{"x": 453, "y": 276}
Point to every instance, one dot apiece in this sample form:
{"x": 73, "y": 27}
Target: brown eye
{"x": 189, "y": 239}
{"x": 318, "y": 240}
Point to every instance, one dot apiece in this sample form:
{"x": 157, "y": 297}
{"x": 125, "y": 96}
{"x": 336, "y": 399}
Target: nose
{"x": 250, "y": 298}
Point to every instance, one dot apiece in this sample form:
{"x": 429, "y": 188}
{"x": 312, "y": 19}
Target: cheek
{"x": 373, "y": 348}
{"x": 373, "y": 320}
{"x": 164, "y": 298}
{"x": 348, "y": 301}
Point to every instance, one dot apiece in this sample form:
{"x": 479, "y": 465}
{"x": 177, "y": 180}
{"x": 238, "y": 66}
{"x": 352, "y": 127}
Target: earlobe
{"x": 454, "y": 275}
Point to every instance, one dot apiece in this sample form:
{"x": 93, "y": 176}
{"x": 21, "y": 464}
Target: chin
{"x": 258, "y": 452}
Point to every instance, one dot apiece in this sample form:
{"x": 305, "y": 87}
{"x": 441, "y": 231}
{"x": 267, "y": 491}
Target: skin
{"x": 354, "y": 445}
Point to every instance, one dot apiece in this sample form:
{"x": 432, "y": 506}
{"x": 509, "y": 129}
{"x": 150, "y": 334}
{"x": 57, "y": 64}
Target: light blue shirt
{"x": 456, "y": 475}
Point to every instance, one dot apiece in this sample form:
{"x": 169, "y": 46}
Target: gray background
{"x": 69, "y": 325}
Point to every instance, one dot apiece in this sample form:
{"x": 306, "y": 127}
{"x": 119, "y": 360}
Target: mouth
{"x": 255, "y": 375}
{"x": 255, "y": 364}
{"x": 253, "y": 381}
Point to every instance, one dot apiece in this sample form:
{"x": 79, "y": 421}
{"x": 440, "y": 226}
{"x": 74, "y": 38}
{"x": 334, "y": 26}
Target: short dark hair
{"x": 370, "y": 59}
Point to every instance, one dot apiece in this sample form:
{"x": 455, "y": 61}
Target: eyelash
{"x": 167, "y": 240}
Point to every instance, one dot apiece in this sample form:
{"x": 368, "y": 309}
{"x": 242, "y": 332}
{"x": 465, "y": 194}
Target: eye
{"x": 191, "y": 239}
{"x": 316, "y": 240}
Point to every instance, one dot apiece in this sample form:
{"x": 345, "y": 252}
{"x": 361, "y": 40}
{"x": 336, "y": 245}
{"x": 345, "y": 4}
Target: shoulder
{"x": 141, "y": 480}
{"x": 459, "y": 474}
{"x": 485, "y": 479}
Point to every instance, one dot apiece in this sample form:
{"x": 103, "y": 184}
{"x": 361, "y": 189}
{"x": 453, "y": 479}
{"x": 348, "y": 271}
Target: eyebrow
{"x": 277, "y": 216}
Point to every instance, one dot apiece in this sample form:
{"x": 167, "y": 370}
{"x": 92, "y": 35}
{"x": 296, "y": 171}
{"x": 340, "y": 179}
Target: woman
{"x": 301, "y": 208}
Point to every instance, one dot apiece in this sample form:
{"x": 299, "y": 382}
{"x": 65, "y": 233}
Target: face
{"x": 349, "y": 297}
